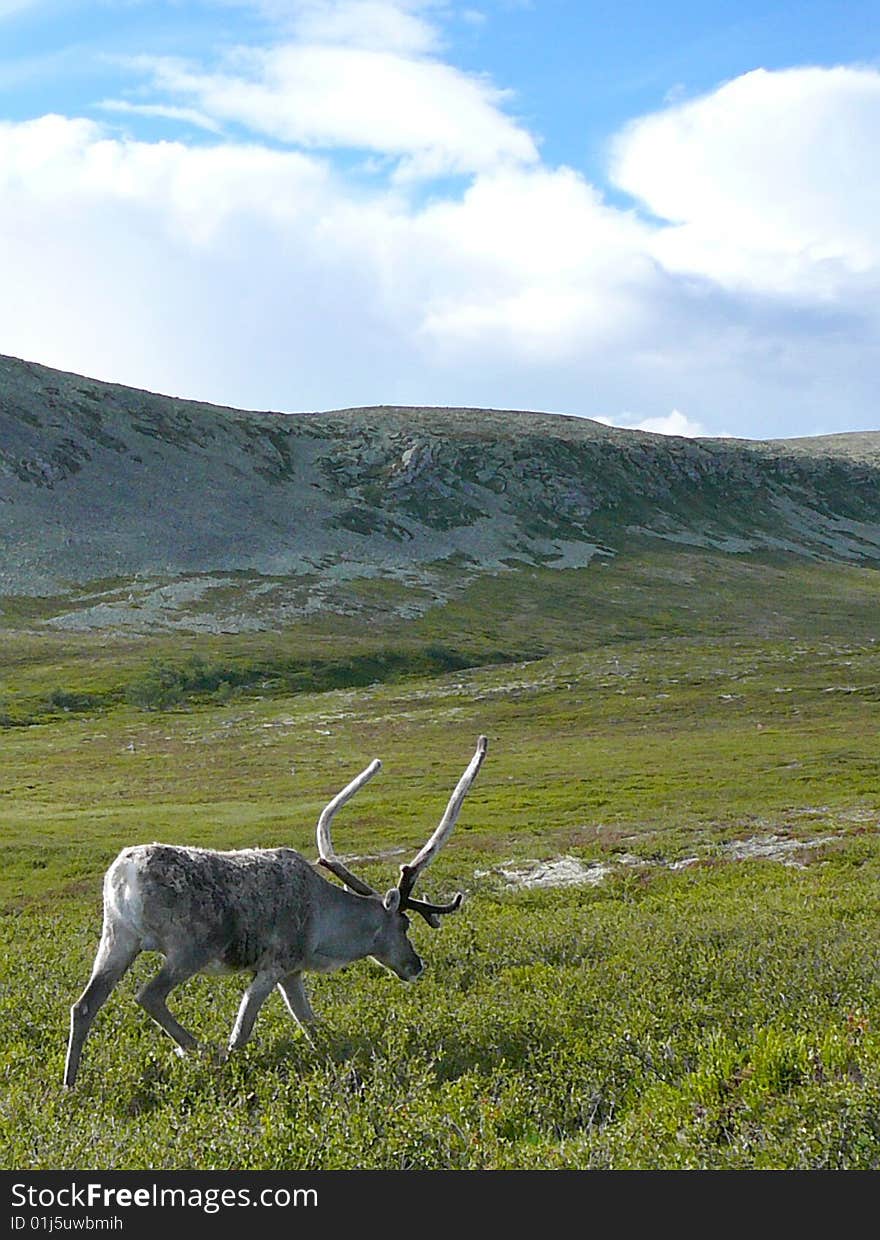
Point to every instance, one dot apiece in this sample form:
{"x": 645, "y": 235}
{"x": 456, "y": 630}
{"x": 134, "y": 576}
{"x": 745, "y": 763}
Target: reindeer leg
{"x": 294, "y": 994}
{"x": 116, "y": 951}
{"x": 254, "y": 998}
{"x": 152, "y": 998}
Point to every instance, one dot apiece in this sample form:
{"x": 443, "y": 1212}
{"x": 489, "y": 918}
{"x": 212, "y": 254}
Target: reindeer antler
{"x": 423, "y": 858}
{"x": 326, "y": 856}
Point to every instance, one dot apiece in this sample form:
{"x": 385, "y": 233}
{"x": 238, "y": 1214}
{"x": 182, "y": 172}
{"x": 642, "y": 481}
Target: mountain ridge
{"x": 103, "y": 481}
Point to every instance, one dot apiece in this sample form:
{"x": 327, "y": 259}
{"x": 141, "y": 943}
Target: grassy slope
{"x": 722, "y": 1015}
{"x": 652, "y": 591}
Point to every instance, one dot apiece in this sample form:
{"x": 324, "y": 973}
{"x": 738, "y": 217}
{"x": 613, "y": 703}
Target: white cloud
{"x": 771, "y": 182}
{"x": 197, "y": 271}
{"x": 529, "y": 262}
{"x": 53, "y": 163}
{"x": 674, "y": 423}
{"x": 357, "y": 75}
{"x": 251, "y": 273}
{"x": 383, "y": 25}
{"x": 165, "y": 111}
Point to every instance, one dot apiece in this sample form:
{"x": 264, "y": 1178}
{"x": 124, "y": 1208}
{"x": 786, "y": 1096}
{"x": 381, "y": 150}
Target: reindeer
{"x": 267, "y": 912}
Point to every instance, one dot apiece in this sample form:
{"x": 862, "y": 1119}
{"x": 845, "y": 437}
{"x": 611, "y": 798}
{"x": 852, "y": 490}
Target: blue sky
{"x": 664, "y": 216}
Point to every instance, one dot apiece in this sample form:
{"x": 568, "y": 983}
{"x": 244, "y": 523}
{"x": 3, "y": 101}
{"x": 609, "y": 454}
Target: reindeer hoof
{"x": 183, "y": 1052}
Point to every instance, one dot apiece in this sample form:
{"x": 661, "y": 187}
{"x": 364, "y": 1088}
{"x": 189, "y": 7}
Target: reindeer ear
{"x": 392, "y": 899}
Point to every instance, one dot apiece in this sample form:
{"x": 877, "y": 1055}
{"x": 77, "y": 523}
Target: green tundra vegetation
{"x": 692, "y": 735}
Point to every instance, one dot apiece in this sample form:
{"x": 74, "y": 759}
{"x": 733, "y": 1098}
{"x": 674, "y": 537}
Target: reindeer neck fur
{"x": 340, "y": 920}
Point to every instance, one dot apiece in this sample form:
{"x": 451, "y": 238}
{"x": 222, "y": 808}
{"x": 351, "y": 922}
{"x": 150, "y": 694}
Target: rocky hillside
{"x": 111, "y": 495}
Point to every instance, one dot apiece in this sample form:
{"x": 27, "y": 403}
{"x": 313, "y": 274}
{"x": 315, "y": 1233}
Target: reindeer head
{"x": 392, "y": 947}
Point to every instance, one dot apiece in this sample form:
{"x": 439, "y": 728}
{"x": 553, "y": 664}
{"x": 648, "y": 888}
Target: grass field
{"x": 699, "y": 734}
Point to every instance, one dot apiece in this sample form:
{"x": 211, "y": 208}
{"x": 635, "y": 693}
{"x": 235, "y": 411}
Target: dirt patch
{"x": 568, "y": 871}
{"x": 557, "y": 872}
{"x": 774, "y": 848}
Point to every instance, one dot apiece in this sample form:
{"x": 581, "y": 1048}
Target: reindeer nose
{"x": 418, "y": 969}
